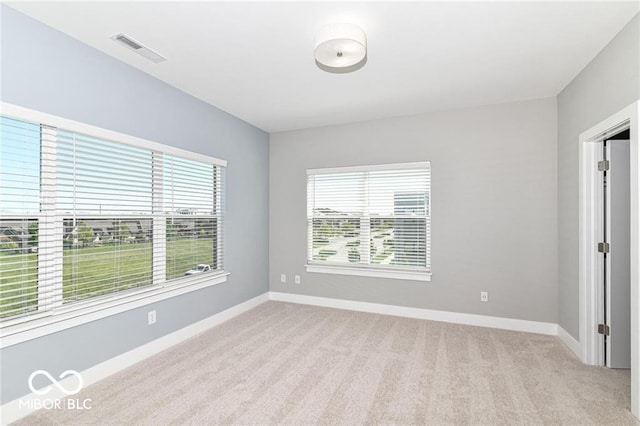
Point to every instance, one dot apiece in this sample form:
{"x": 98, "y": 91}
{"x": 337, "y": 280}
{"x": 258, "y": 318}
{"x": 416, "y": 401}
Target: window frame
{"x": 368, "y": 270}
{"x": 23, "y": 328}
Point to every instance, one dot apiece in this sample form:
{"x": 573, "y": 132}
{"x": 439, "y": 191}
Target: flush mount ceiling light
{"x": 341, "y": 48}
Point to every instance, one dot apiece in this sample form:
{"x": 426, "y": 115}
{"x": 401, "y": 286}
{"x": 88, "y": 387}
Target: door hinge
{"x": 604, "y": 329}
{"x": 603, "y": 247}
{"x": 603, "y": 165}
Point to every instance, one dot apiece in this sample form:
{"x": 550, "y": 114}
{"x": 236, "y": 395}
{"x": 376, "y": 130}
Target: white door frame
{"x": 590, "y": 228}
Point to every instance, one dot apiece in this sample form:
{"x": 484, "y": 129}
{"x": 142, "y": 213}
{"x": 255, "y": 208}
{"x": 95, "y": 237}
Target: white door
{"x": 617, "y": 261}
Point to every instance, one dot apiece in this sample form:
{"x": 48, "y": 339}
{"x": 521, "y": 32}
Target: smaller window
{"x": 370, "y": 220}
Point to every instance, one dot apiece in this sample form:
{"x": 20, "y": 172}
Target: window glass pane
{"x": 19, "y": 195}
{"x": 191, "y": 246}
{"x": 382, "y": 240}
{"x": 18, "y": 266}
{"x": 19, "y": 167}
{"x": 191, "y": 192}
{"x": 98, "y": 182}
{"x": 105, "y": 255}
{"x": 399, "y": 242}
{"x": 336, "y": 240}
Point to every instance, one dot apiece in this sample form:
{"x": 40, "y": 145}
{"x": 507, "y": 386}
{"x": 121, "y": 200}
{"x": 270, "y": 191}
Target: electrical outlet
{"x": 484, "y": 296}
{"x": 297, "y": 279}
{"x": 283, "y": 278}
{"x": 151, "y": 317}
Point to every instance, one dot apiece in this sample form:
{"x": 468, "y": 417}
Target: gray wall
{"x": 494, "y": 207}
{"x": 45, "y": 70}
{"x": 608, "y": 84}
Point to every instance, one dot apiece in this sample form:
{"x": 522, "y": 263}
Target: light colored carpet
{"x": 282, "y": 363}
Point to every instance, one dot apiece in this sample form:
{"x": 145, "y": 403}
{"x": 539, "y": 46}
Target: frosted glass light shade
{"x": 340, "y": 46}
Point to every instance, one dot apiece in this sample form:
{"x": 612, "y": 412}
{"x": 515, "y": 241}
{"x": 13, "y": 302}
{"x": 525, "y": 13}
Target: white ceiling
{"x": 255, "y": 60}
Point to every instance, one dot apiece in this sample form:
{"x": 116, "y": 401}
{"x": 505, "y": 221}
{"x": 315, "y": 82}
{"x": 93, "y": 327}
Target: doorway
{"x": 591, "y": 260}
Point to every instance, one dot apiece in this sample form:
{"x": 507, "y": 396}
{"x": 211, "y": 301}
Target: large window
{"x": 370, "y": 220}
{"x": 86, "y": 217}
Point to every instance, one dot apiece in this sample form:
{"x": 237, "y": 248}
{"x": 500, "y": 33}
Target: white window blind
{"x": 103, "y": 195}
{"x": 374, "y": 217}
{"x": 82, "y": 217}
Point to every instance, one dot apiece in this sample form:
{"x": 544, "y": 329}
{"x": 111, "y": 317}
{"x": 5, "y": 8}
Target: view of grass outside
{"x": 190, "y": 242}
{"x": 184, "y": 254}
{"x": 18, "y": 281}
{"x": 18, "y": 266}
{"x": 94, "y": 271}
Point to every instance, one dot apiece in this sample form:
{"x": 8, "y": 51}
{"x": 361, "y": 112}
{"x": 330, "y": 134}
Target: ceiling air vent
{"x": 138, "y": 47}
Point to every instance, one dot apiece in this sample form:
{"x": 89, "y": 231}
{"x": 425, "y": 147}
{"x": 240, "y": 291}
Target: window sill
{"x": 22, "y": 330}
{"x": 370, "y": 272}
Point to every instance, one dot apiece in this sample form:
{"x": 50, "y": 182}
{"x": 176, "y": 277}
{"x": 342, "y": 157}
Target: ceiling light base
{"x": 340, "y": 48}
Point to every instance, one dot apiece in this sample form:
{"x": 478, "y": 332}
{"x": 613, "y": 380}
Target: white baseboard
{"x": 419, "y": 313}
{"x": 571, "y": 343}
{"x": 21, "y": 407}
